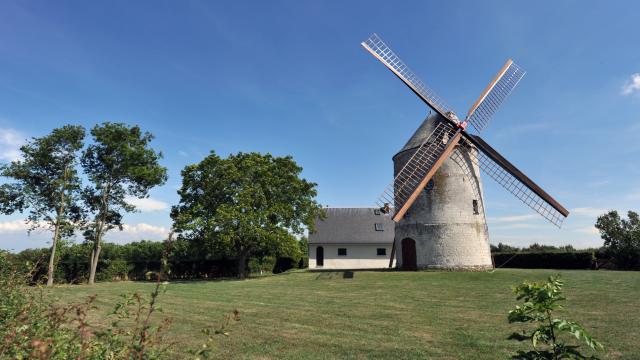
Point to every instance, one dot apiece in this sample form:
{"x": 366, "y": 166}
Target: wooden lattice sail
{"x": 411, "y": 180}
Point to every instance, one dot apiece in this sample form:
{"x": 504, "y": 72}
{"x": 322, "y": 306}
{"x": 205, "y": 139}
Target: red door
{"x": 409, "y": 255}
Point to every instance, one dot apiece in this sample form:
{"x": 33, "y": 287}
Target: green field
{"x": 435, "y": 315}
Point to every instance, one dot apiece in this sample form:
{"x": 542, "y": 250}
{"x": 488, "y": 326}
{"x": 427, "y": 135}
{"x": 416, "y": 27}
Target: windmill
{"x": 442, "y": 139}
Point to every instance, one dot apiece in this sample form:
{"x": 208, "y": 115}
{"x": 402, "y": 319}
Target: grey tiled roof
{"x": 352, "y": 226}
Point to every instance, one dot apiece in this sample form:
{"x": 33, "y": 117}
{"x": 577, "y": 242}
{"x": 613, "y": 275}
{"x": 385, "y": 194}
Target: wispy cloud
{"x": 588, "y": 211}
{"x": 592, "y": 230}
{"x": 13, "y": 226}
{"x": 13, "y": 234}
{"x": 599, "y": 183}
{"x": 10, "y": 142}
{"x": 632, "y": 85}
{"x": 514, "y": 226}
{"x": 147, "y": 204}
{"x": 137, "y": 232}
{"x": 633, "y": 196}
{"x": 513, "y": 218}
{"x": 143, "y": 228}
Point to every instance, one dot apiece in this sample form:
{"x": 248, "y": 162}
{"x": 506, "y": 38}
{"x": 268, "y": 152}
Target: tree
{"x": 47, "y": 183}
{"x": 247, "y": 204}
{"x": 504, "y": 248}
{"x": 303, "y": 244}
{"x": 119, "y": 163}
{"x": 621, "y": 238}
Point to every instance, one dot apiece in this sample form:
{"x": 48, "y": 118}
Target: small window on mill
{"x": 379, "y": 226}
{"x": 376, "y": 211}
{"x": 381, "y": 251}
{"x": 342, "y": 251}
{"x": 475, "y": 207}
{"x": 429, "y": 186}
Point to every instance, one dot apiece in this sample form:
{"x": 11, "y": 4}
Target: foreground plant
{"x": 33, "y": 328}
{"x": 133, "y": 335}
{"x": 541, "y": 299}
{"x": 206, "y": 350}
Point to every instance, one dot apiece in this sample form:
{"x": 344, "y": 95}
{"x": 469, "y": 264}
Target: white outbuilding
{"x": 351, "y": 238}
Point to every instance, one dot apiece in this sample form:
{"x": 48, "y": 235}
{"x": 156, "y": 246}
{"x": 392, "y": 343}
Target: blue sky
{"x": 289, "y": 77}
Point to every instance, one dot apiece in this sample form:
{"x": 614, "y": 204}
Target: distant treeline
{"x": 537, "y": 248}
{"x": 134, "y": 261}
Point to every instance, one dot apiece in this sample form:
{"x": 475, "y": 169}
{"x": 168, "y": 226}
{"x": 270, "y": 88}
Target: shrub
{"x": 540, "y": 300}
{"x": 303, "y": 263}
{"x": 73, "y": 264}
{"x": 261, "y": 265}
{"x": 36, "y": 258}
{"x": 116, "y": 269}
{"x": 283, "y": 264}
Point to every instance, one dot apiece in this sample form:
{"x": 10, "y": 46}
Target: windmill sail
{"x": 495, "y": 93}
{"x": 382, "y": 52}
{"x": 514, "y": 181}
{"x": 420, "y": 168}
{"x": 430, "y": 155}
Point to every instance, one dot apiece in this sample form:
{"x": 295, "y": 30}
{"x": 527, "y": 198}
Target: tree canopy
{"x": 621, "y": 238}
{"x": 248, "y": 204}
{"x": 119, "y": 163}
{"x": 46, "y": 182}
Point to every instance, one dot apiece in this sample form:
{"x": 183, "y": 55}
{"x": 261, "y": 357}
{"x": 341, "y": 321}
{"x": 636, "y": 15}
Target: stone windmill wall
{"x": 446, "y": 222}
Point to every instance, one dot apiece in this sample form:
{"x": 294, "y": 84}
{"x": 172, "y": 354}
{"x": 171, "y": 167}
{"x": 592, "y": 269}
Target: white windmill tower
{"x": 436, "y": 195}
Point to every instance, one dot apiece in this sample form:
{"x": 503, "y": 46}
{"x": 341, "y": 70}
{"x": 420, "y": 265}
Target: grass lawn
{"x": 434, "y": 315}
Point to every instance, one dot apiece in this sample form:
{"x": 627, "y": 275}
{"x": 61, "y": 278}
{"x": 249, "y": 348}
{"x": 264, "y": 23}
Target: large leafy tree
{"x": 46, "y": 183}
{"x": 245, "y": 205}
{"x": 119, "y": 163}
{"x": 621, "y": 238}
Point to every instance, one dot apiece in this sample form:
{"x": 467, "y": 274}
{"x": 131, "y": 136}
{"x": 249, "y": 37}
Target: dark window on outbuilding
{"x": 379, "y": 226}
{"x": 475, "y": 207}
{"x": 342, "y": 251}
{"x": 376, "y": 211}
{"x": 381, "y": 251}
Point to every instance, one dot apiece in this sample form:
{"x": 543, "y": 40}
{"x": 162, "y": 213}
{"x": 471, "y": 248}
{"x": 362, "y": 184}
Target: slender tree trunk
{"x": 100, "y": 226}
{"x": 52, "y": 257}
{"x": 56, "y": 236}
{"x": 242, "y": 262}
{"x": 95, "y": 254}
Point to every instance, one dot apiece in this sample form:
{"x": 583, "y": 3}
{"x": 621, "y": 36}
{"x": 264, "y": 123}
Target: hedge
{"x": 545, "y": 260}
{"x": 135, "y": 260}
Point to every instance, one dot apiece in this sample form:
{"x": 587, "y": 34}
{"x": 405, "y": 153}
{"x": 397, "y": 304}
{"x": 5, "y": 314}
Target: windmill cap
{"x": 422, "y": 133}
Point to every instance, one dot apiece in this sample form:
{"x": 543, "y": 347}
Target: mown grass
{"x": 434, "y": 315}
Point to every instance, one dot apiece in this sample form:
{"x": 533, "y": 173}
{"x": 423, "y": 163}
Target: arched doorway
{"x": 409, "y": 255}
{"x": 319, "y": 256}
